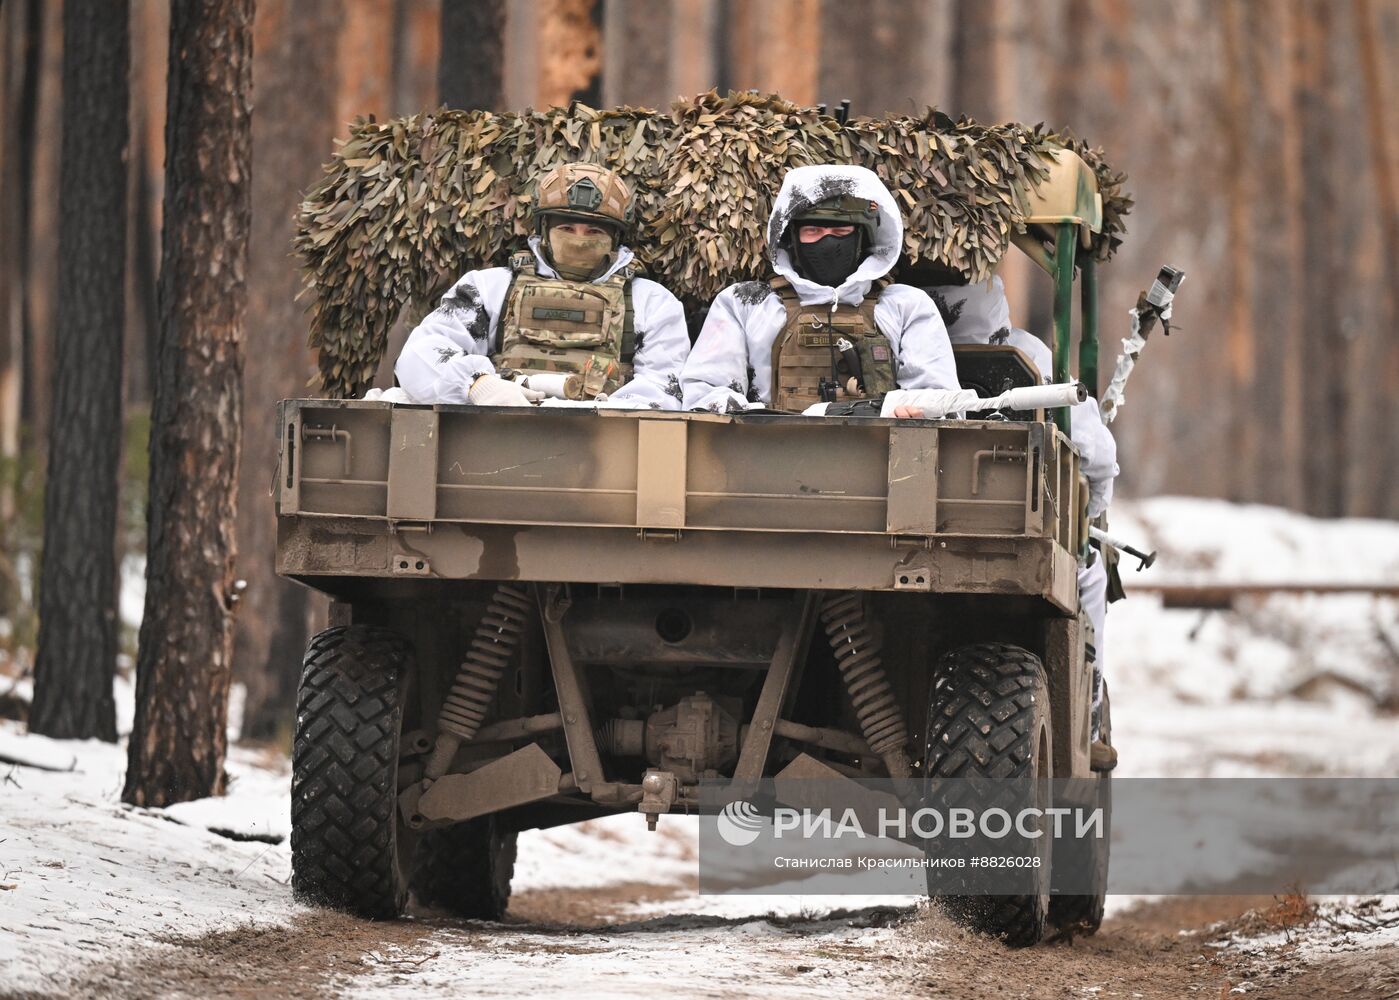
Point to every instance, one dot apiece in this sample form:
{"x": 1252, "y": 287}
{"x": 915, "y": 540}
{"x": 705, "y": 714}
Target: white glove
{"x": 492, "y": 390}
{"x": 392, "y": 394}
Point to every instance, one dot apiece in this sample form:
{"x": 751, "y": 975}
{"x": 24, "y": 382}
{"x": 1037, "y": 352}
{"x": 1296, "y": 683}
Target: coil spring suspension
{"x": 857, "y": 651}
{"x": 492, "y": 646}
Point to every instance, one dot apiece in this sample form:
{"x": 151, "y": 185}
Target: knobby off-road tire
{"x": 1083, "y": 914}
{"x": 988, "y": 718}
{"x": 465, "y": 869}
{"x": 349, "y": 849}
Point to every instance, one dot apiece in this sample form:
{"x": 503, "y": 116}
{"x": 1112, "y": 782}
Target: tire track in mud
{"x": 587, "y": 943}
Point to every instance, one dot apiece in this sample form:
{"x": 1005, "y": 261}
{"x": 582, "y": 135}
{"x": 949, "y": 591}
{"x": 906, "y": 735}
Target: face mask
{"x": 578, "y": 258}
{"x": 828, "y": 261}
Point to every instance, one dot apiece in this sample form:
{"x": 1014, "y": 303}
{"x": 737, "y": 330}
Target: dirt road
{"x": 578, "y": 945}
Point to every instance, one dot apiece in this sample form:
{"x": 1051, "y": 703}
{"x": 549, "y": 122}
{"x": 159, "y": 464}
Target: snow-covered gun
{"x": 935, "y": 403}
{"x": 1153, "y": 306}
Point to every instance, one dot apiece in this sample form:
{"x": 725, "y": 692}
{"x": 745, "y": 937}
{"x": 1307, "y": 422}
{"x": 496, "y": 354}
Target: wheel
{"x": 988, "y": 718}
{"x": 349, "y": 848}
{"x": 1083, "y": 914}
{"x": 465, "y": 869}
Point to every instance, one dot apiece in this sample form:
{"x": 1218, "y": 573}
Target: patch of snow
{"x": 85, "y": 878}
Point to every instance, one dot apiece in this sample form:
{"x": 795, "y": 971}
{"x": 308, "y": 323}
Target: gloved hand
{"x": 492, "y": 390}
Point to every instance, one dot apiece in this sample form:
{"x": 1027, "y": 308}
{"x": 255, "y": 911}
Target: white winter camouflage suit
{"x": 979, "y": 314}
{"x": 450, "y": 347}
{"x": 730, "y": 368}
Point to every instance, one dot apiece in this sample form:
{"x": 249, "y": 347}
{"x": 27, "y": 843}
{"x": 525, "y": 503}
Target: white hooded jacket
{"x": 452, "y": 345}
{"x": 979, "y": 314}
{"x": 730, "y": 367}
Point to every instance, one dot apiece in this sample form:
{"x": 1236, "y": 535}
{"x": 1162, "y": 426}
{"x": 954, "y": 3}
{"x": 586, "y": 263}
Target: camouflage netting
{"x": 407, "y": 206}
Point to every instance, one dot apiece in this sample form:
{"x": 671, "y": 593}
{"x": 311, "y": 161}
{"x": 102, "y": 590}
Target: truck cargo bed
{"x": 370, "y": 491}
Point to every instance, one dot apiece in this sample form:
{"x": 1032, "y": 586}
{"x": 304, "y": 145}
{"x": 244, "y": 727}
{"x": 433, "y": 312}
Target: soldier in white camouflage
{"x": 828, "y": 326}
{"x": 574, "y": 303}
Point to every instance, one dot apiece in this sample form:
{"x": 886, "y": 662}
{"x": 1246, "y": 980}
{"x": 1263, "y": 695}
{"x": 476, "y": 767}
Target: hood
{"x": 624, "y": 257}
{"x": 803, "y": 187}
{"x": 974, "y": 314}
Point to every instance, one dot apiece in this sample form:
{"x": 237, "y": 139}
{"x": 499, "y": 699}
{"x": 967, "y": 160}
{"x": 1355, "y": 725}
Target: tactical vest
{"x": 802, "y": 352}
{"x": 556, "y": 325}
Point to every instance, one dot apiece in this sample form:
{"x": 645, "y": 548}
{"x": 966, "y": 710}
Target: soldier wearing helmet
{"x": 829, "y": 326}
{"x": 572, "y": 305}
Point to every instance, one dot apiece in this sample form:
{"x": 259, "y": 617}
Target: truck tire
{"x": 988, "y": 717}
{"x": 465, "y": 869}
{"x": 349, "y": 848}
{"x": 1075, "y": 914}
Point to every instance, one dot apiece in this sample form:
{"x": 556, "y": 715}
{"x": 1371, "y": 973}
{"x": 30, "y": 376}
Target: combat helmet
{"x": 582, "y": 192}
{"x": 843, "y": 210}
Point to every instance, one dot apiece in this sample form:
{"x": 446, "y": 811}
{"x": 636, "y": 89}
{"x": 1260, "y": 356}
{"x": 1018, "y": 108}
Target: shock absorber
{"x": 862, "y": 669}
{"x": 492, "y": 646}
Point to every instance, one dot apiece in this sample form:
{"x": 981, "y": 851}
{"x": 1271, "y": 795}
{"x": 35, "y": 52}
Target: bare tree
{"x": 471, "y": 60}
{"x": 182, "y": 671}
{"x": 77, "y": 645}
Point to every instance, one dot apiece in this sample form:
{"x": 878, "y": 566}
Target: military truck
{"x": 544, "y": 616}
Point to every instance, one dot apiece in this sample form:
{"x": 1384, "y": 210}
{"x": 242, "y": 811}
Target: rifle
{"x": 936, "y": 403}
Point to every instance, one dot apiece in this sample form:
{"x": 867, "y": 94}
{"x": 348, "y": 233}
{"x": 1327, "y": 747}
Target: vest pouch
{"x": 554, "y": 325}
{"x": 568, "y": 317}
{"x": 802, "y": 357}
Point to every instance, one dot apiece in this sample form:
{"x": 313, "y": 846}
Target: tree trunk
{"x": 774, "y": 46}
{"x": 182, "y": 671}
{"x": 417, "y": 31}
{"x": 365, "y": 83}
{"x": 980, "y": 60}
{"x": 40, "y": 260}
{"x": 77, "y": 647}
{"x": 1324, "y": 347}
{"x": 294, "y": 76}
{"x": 471, "y": 59}
{"x": 569, "y": 46}
{"x": 1238, "y": 112}
{"x": 22, "y": 27}
{"x": 636, "y": 38}
{"x": 873, "y": 54}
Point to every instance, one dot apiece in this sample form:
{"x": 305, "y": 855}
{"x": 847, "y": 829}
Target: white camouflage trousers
{"x": 1093, "y": 597}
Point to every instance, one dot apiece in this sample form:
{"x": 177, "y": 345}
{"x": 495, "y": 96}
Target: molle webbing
{"x": 802, "y": 351}
{"x": 558, "y": 325}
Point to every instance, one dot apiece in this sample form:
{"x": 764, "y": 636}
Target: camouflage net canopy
{"x": 409, "y": 205}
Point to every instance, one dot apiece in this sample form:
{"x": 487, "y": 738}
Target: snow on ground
{"x": 1282, "y": 686}
{"x": 84, "y": 878}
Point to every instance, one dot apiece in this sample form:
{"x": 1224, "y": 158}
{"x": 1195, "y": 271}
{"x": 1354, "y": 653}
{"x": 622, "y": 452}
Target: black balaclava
{"x": 828, "y": 261}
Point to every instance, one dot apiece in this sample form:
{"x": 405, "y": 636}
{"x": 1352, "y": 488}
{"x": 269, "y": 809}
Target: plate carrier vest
{"x": 801, "y": 354}
{"x": 578, "y": 327}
